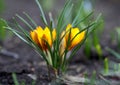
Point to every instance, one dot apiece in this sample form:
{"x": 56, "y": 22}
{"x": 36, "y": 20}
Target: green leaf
{"x": 118, "y": 36}
{"x": 62, "y": 14}
{"x": 81, "y": 20}
{"x": 93, "y": 81}
{"x": 96, "y": 23}
{"x": 87, "y": 48}
{"x": 23, "y": 83}
{"x": 106, "y": 66}
{"x": 26, "y": 33}
{"x": 17, "y": 33}
{"x": 78, "y": 14}
{"x": 42, "y": 13}
{"x": 2, "y": 29}
{"x": 23, "y": 20}
{"x": 15, "y": 79}
{"x": 96, "y": 44}
{"x": 2, "y": 6}
{"x": 33, "y": 22}
{"x": 34, "y": 82}
{"x": 67, "y": 18}
{"x": 48, "y": 5}
{"x": 117, "y": 55}
{"x": 52, "y": 25}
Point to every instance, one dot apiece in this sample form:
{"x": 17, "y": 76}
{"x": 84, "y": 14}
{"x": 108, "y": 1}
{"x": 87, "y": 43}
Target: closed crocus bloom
{"x": 63, "y": 43}
{"x": 33, "y": 35}
{"x": 54, "y": 34}
{"x": 74, "y": 35}
{"x": 43, "y": 37}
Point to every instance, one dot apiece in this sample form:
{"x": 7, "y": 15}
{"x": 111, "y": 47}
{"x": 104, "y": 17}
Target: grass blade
{"x": 17, "y": 34}
{"x": 67, "y": 19}
{"x": 33, "y": 22}
{"x": 41, "y": 10}
{"x": 2, "y": 29}
{"x": 24, "y": 21}
{"x": 26, "y": 33}
{"x": 78, "y": 14}
{"x": 61, "y": 17}
{"x": 79, "y": 21}
{"x": 15, "y": 79}
{"x": 51, "y": 20}
{"x": 117, "y": 55}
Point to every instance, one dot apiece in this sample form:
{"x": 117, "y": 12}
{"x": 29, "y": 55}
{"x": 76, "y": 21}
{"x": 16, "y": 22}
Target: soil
{"x": 29, "y": 63}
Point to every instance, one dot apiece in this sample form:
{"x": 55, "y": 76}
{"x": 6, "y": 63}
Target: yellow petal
{"x": 82, "y": 36}
{"x": 41, "y": 36}
{"x": 54, "y": 34}
{"x": 34, "y": 36}
{"x": 47, "y": 36}
{"x": 64, "y": 39}
{"x": 68, "y": 27}
{"x": 74, "y": 32}
{"x": 39, "y": 32}
{"x": 62, "y": 43}
{"x": 44, "y": 42}
{"x": 75, "y": 37}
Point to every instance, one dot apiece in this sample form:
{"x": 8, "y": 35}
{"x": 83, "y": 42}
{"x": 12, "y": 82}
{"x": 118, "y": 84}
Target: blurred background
{"x": 108, "y": 8}
{"x": 27, "y": 57}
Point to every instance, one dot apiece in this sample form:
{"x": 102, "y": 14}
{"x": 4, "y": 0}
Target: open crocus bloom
{"x": 42, "y": 37}
{"x": 73, "y": 35}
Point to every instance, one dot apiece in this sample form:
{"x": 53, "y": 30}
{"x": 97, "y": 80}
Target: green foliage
{"x": 2, "y": 23}
{"x": 110, "y": 72}
{"x": 55, "y": 60}
{"x": 15, "y": 79}
{"x": 118, "y": 36}
{"x": 42, "y": 12}
{"x": 48, "y": 5}
{"x": 93, "y": 41}
{"x": 112, "y": 68}
{"x": 16, "y": 82}
{"x": 106, "y": 66}
{"x": 92, "y": 81}
{"x": 87, "y": 48}
{"x": 2, "y": 29}
{"x": 83, "y": 10}
{"x": 1, "y": 5}
{"x": 96, "y": 37}
{"x": 114, "y": 53}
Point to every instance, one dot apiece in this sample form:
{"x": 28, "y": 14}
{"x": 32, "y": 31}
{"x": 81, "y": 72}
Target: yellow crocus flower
{"x": 63, "y": 43}
{"x": 33, "y": 35}
{"x": 43, "y": 36}
{"x": 73, "y": 35}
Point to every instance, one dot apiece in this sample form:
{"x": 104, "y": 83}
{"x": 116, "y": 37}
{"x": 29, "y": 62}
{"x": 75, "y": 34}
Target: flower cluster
{"x": 42, "y": 37}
